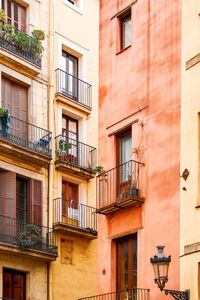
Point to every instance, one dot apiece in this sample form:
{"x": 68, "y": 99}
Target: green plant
{"x": 3, "y": 112}
{"x": 29, "y": 236}
{"x": 7, "y": 31}
{"x": 64, "y": 146}
{"x": 98, "y": 170}
{"x": 38, "y": 34}
{"x": 3, "y": 16}
{"x": 21, "y": 40}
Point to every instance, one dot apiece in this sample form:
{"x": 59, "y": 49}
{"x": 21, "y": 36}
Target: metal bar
{"x": 27, "y": 135}
{"x": 74, "y": 88}
{"x": 75, "y": 214}
{"x": 27, "y": 235}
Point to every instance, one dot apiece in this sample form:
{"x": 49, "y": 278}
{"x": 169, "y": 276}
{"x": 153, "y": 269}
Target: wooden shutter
{"x": 35, "y": 202}
{"x": 15, "y": 98}
{"x": 22, "y": 18}
{"x": 8, "y": 194}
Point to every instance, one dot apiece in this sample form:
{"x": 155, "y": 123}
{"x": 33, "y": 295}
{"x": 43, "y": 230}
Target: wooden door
{"x": 126, "y": 265}
{"x": 70, "y": 203}
{"x": 15, "y": 98}
{"x": 35, "y": 203}
{"x": 14, "y": 284}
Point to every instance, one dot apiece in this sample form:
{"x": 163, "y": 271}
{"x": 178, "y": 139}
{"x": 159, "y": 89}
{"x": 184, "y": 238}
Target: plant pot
{"x": 3, "y": 127}
{"x": 134, "y": 191}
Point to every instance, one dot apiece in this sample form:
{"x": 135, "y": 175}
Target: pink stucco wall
{"x": 144, "y": 77}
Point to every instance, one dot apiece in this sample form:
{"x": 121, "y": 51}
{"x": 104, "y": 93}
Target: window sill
{"x": 79, "y": 10}
{"x": 123, "y": 50}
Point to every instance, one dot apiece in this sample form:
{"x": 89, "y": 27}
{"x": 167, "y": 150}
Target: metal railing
{"x": 75, "y": 214}
{"x": 8, "y": 44}
{"x": 26, "y": 135}
{"x": 128, "y": 294}
{"x": 74, "y": 152}
{"x": 118, "y": 184}
{"x": 74, "y": 88}
{"x": 25, "y": 235}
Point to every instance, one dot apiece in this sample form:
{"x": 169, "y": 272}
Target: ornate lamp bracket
{"x": 178, "y": 295}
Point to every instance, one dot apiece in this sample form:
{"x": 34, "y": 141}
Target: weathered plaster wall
{"x": 143, "y": 80}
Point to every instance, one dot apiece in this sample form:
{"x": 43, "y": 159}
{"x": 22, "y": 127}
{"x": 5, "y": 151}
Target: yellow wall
{"x": 76, "y": 31}
{"x": 190, "y": 142}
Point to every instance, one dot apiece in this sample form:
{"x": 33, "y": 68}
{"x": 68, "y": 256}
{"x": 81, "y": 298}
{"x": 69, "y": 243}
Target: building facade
{"x": 138, "y": 196}
{"x": 74, "y": 102}
{"x": 189, "y": 185}
{"x": 48, "y": 140}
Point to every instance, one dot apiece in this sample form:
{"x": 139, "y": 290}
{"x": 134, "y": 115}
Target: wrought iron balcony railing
{"x": 74, "y": 152}
{"x": 26, "y": 135}
{"x": 75, "y": 214}
{"x": 24, "y": 235}
{"x": 128, "y": 294}
{"x": 119, "y": 187}
{"x": 10, "y": 45}
{"x": 74, "y": 88}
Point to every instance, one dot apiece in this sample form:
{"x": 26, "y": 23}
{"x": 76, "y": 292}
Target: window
{"x": 69, "y": 77}
{"x": 125, "y": 29}
{"x": 14, "y": 284}
{"x": 16, "y": 14}
{"x": 126, "y": 263}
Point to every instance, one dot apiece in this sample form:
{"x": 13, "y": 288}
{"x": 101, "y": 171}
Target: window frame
{"x": 122, "y": 19}
{"x": 16, "y": 15}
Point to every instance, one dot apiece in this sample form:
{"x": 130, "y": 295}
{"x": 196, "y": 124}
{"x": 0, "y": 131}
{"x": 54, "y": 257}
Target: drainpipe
{"x": 49, "y": 127}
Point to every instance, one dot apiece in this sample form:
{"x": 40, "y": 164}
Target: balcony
{"x": 75, "y": 157}
{"x": 25, "y": 140}
{"x": 73, "y": 91}
{"x": 75, "y": 218}
{"x": 119, "y": 188}
{"x": 13, "y": 54}
{"x": 128, "y": 294}
{"x": 27, "y": 239}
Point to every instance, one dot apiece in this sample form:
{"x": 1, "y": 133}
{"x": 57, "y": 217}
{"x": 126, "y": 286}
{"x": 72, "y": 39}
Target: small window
{"x": 125, "y": 29}
{"x": 74, "y": 2}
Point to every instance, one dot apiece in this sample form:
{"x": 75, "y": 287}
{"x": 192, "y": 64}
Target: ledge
{"x": 14, "y": 151}
{"x": 78, "y": 231}
{"x": 17, "y": 63}
{"x": 30, "y": 253}
{"x": 115, "y": 206}
{"x": 72, "y": 103}
{"x": 73, "y": 169}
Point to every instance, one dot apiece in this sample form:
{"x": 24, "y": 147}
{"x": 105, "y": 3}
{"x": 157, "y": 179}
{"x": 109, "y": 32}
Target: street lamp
{"x": 160, "y": 264}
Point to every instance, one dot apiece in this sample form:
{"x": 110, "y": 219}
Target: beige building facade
{"x": 190, "y": 141}
{"x": 48, "y": 140}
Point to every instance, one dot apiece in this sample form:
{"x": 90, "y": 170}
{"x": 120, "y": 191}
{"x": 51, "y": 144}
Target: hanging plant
{"x": 29, "y": 236}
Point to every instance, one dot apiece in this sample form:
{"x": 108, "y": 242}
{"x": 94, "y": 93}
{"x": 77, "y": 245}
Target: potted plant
{"x": 4, "y": 119}
{"x": 61, "y": 153}
{"x": 29, "y": 236}
{"x": 133, "y": 189}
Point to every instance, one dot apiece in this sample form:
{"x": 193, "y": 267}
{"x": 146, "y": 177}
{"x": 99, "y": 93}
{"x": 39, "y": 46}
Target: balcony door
{"x": 70, "y": 135}
{"x": 22, "y": 201}
{"x": 126, "y": 266}
{"x": 14, "y": 284}
{"x": 70, "y": 80}
{"x": 16, "y": 14}
{"x": 70, "y": 214}
{"x": 15, "y": 97}
{"x": 124, "y": 172}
